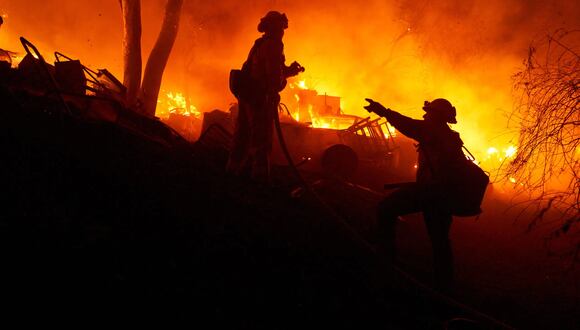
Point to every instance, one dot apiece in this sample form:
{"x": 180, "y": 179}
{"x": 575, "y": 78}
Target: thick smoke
{"x": 398, "y": 52}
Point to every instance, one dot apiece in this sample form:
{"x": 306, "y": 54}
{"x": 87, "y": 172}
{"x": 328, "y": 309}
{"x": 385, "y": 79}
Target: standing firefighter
{"x": 256, "y": 87}
{"x": 445, "y": 182}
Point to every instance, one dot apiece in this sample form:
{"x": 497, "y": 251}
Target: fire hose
{"x": 368, "y": 246}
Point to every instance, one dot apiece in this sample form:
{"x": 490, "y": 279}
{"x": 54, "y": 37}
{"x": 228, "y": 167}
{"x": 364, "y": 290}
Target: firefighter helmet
{"x": 273, "y": 21}
{"x": 441, "y": 109}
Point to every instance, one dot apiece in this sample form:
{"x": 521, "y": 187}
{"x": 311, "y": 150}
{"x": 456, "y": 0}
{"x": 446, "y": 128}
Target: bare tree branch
{"x": 548, "y": 90}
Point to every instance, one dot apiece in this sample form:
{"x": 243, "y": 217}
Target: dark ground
{"x": 99, "y": 222}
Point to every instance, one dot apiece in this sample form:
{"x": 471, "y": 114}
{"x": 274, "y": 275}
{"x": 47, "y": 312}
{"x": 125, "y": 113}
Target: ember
{"x": 495, "y": 156}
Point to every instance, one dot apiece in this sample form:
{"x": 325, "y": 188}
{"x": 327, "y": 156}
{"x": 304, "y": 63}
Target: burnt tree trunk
{"x": 159, "y": 56}
{"x": 132, "y": 63}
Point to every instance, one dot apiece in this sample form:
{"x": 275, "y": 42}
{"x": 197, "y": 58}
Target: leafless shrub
{"x": 547, "y": 163}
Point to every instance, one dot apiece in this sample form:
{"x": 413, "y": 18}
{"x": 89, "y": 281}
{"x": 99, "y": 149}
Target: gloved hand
{"x": 376, "y": 107}
{"x": 295, "y": 68}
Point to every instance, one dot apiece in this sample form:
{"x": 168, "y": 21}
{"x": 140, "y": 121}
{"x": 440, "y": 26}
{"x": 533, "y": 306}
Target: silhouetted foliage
{"x": 547, "y": 163}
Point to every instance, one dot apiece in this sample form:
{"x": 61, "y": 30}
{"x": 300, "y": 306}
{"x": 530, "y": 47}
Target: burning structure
{"x": 321, "y": 138}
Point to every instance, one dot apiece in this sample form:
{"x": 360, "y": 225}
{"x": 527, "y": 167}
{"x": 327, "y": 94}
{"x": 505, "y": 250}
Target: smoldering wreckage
{"x": 93, "y": 171}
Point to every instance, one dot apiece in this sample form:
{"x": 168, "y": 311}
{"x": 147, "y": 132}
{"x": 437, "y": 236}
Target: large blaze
{"x": 399, "y": 53}
{"x": 106, "y": 202}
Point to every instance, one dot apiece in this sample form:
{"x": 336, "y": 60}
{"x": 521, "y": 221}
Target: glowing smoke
{"x": 400, "y": 52}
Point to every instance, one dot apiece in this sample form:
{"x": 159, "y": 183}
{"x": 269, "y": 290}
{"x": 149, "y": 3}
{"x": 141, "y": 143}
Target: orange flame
{"x": 175, "y": 102}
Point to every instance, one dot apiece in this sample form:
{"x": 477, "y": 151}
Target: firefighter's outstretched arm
{"x": 406, "y": 125}
{"x": 376, "y": 107}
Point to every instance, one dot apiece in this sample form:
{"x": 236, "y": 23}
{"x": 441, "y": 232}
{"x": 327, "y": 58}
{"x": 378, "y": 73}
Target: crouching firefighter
{"x": 256, "y": 86}
{"x": 447, "y": 184}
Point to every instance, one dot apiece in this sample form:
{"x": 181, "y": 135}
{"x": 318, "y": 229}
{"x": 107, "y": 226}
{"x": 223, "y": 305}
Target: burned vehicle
{"x": 320, "y": 138}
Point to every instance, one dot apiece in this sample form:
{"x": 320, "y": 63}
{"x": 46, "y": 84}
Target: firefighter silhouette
{"x": 258, "y": 105}
{"x": 439, "y": 149}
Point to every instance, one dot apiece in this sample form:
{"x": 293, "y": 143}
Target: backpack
{"x": 464, "y": 184}
{"x": 238, "y": 82}
{"x": 467, "y": 188}
{"x": 241, "y": 83}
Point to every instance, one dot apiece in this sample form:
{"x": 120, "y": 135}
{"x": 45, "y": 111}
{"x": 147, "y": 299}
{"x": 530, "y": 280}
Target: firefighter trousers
{"x": 252, "y": 140}
{"x": 427, "y": 199}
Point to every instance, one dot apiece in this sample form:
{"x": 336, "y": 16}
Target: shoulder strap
{"x": 468, "y": 152}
